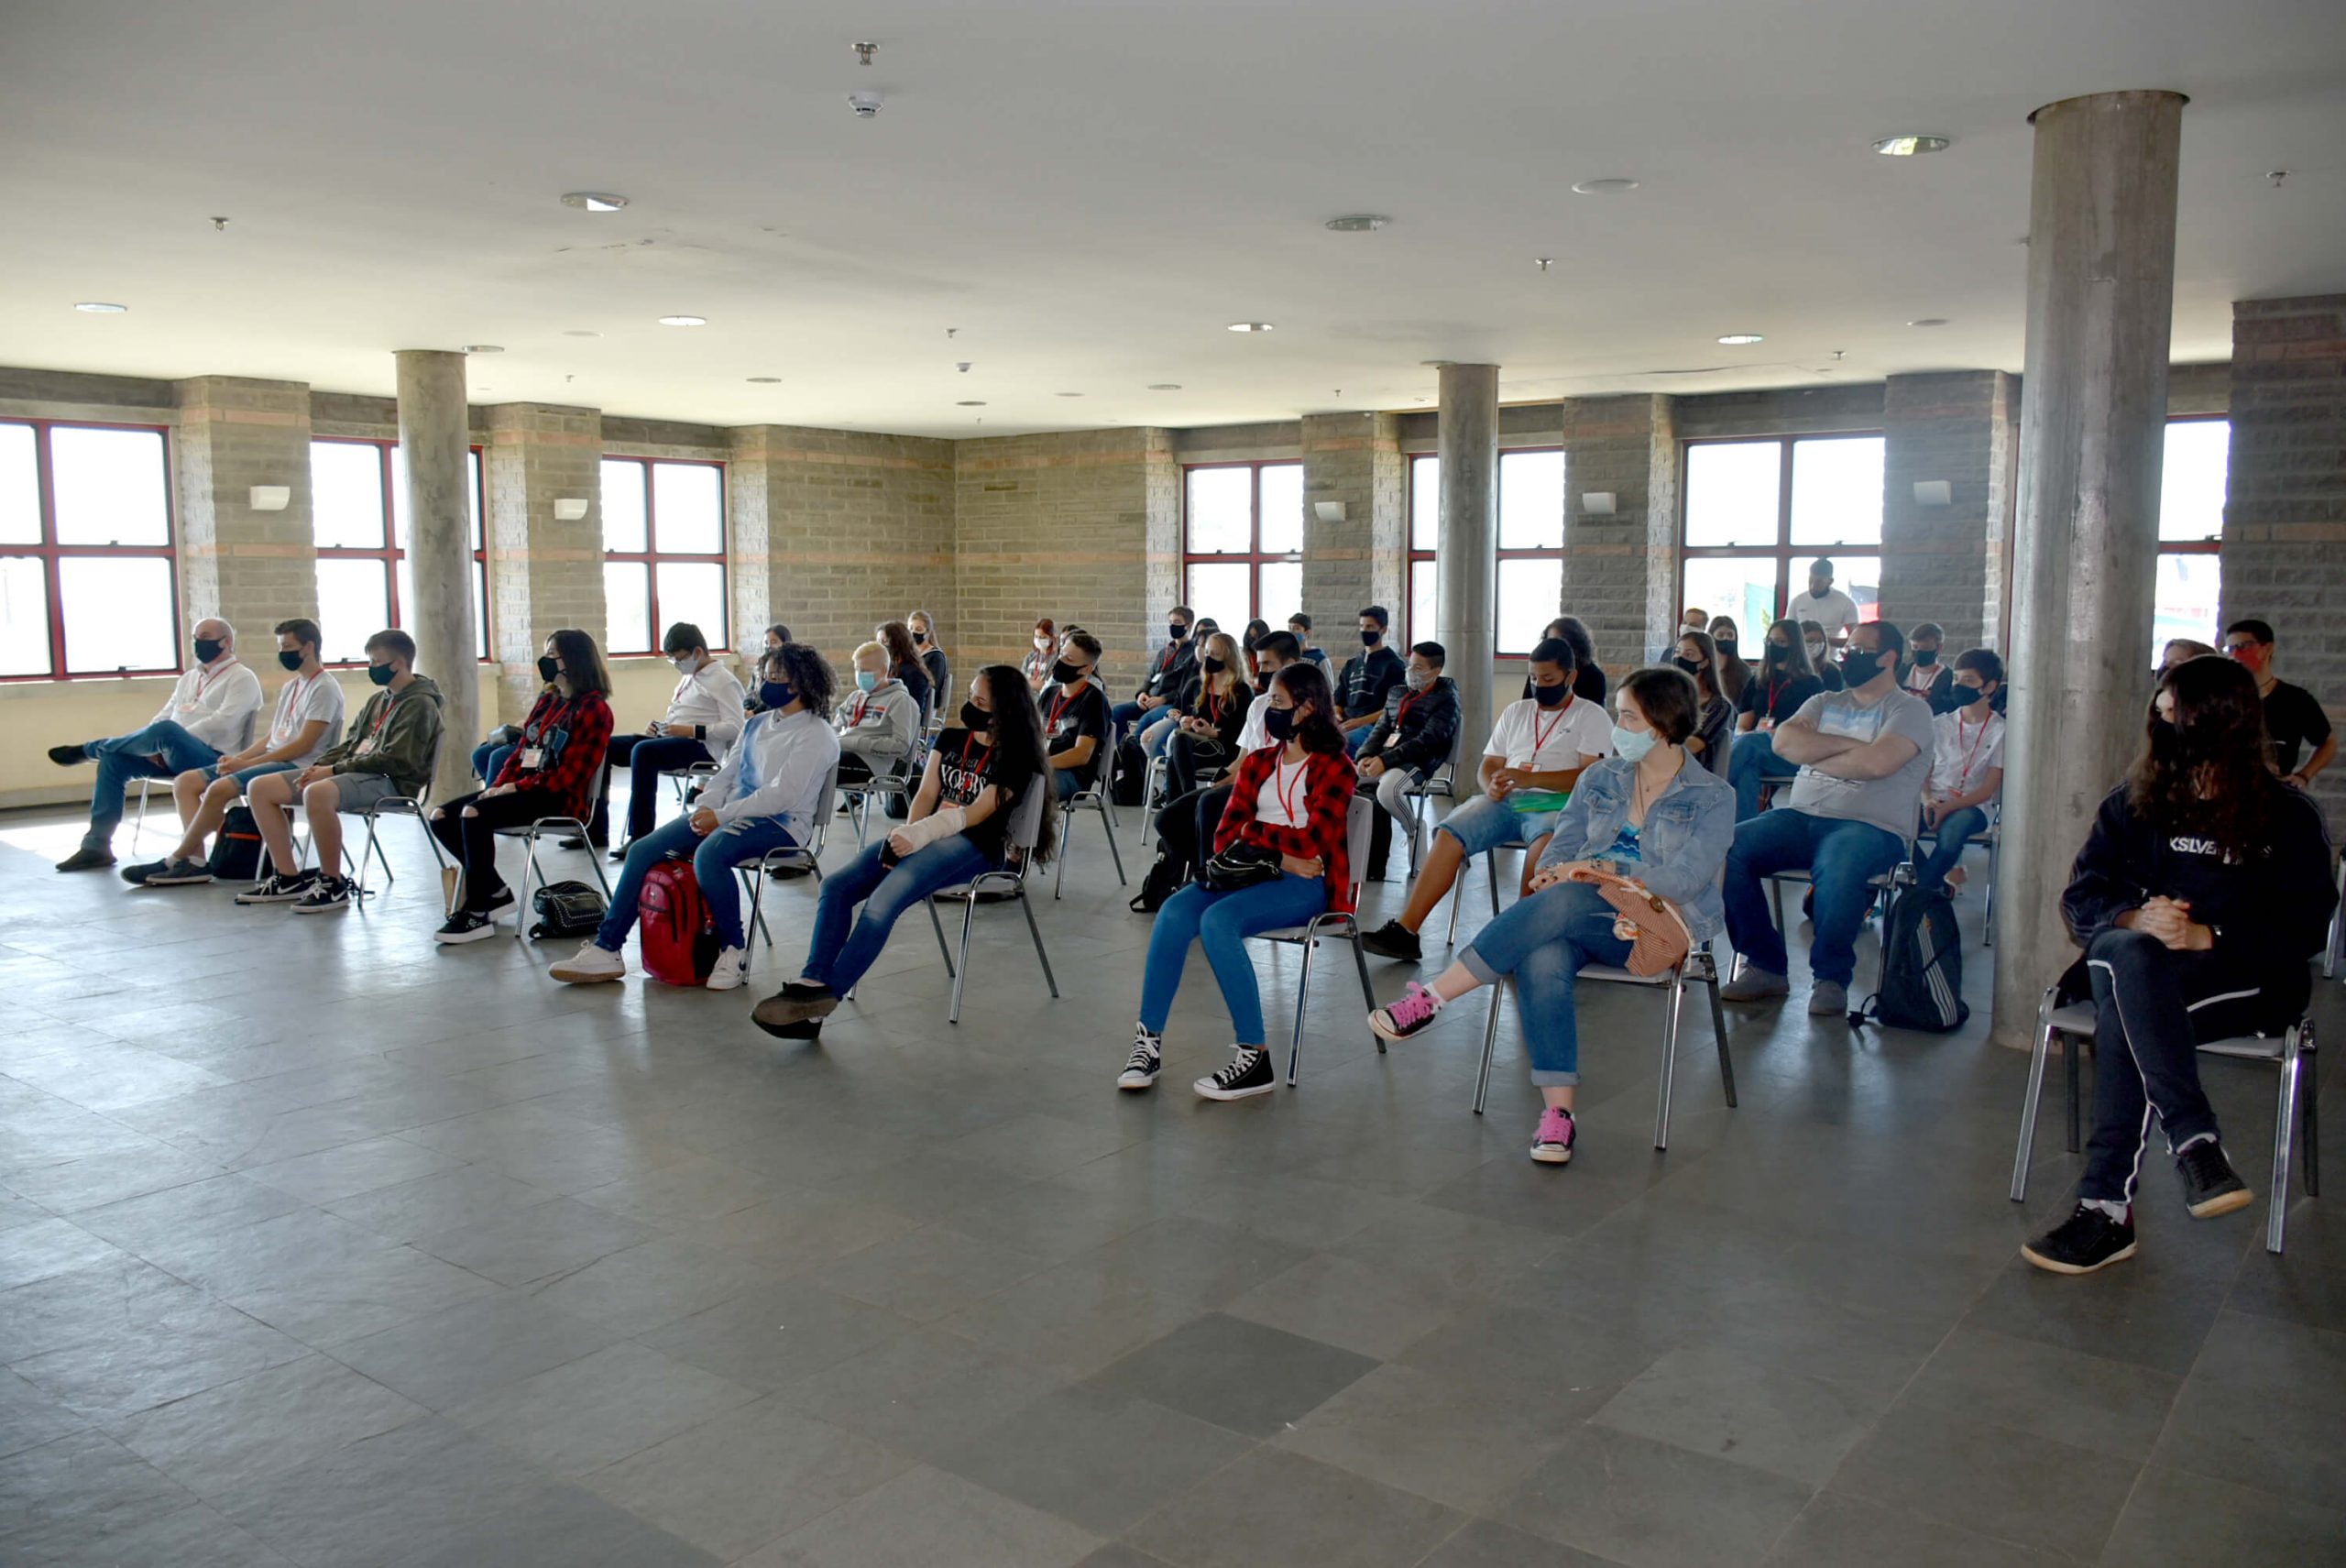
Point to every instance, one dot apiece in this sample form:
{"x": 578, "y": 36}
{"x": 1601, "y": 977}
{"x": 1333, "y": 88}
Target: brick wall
{"x": 253, "y": 568}
{"x": 1621, "y": 569}
{"x": 1354, "y": 460}
{"x": 2284, "y": 504}
{"x": 544, "y": 574}
{"x": 1936, "y": 559}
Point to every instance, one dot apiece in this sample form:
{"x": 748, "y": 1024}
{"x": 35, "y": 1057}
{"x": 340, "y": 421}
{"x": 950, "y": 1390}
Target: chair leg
{"x": 941, "y": 946}
{"x": 2027, "y": 1149}
{"x": 1490, "y": 1046}
{"x": 139, "y": 824}
{"x": 2284, "y": 1132}
{"x": 756, "y": 878}
{"x": 1035, "y": 932}
{"x": 1776, "y": 893}
{"x": 529, "y": 870}
{"x": 1458, "y": 897}
{"x": 372, "y": 852}
{"x": 1988, "y": 907}
{"x": 1108, "y": 826}
{"x": 1302, "y": 1000}
{"x": 2072, "y": 1048}
{"x": 1674, "y": 1009}
{"x": 1710, "y": 982}
{"x": 1367, "y": 995}
{"x": 2312, "y": 1098}
{"x": 1067, "y": 832}
{"x": 969, "y": 918}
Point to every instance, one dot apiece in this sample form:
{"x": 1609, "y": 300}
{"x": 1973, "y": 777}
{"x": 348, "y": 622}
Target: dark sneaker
{"x": 327, "y": 892}
{"x": 783, "y": 1009}
{"x": 68, "y": 756}
{"x": 277, "y": 889}
{"x": 178, "y": 873}
{"x": 1756, "y": 984}
{"x": 2211, "y": 1185}
{"x": 1401, "y": 1019}
{"x": 620, "y": 851}
{"x": 1248, "y": 1074}
{"x": 136, "y": 875}
{"x": 2089, "y": 1239}
{"x": 466, "y": 925}
{"x": 87, "y": 860}
{"x": 1553, "y": 1143}
{"x": 1393, "y": 940}
{"x": 785, "y": 872}
{"x": 1148, "y": 1054}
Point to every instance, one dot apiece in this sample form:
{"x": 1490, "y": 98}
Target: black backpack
{"x": 1922, "y": 982}
{"x": 566, "y": 909}
{"x": 1132, "y": 774}
{"x": 236, "y": 849}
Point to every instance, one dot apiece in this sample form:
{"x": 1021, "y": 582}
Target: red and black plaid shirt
{"x": 1328, "y": 783}
{"x": 571, "y": 735}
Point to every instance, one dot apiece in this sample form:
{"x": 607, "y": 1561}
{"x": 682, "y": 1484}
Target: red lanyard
{"x": 384, "y": 718}
{"x": 203, "y": 682}
{"x": 1774, "y": 687}
{"x": 861, "y": 701}
{"x": 1211, "y": 702}
{"x": 1963, "y": 778}
{"x": 1539, "y": 735}
{"x": 1058, "y": 706}
{"x": 1402, "y": 712}
{"x": 967, "y": 742}
{"x": 289, "y": 702}
{"x": 1286, "y": 791}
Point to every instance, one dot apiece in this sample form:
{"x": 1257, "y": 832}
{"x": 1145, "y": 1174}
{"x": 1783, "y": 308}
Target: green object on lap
{"x": 1538, "y": 802}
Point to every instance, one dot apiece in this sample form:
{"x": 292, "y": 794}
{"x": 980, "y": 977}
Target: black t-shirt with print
{"x": 967, "y": 763}
{"x": 2294, "y": 720}
{"x": 1069, "y": 717}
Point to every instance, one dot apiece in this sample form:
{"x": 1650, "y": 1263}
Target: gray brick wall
{"x": 254, "y": 568}
{"x": 1937, "y": 561}
{"x": 1621, "y": 570}
{"x": 1353, "y": 459}
{"x": 544, "y": 574}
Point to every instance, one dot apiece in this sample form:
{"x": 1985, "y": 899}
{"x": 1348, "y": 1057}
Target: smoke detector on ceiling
{"x": 865, "y": 105}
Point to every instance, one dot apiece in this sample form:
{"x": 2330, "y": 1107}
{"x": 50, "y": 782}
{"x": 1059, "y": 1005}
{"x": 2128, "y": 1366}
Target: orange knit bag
{"x": 1657, "y": 934}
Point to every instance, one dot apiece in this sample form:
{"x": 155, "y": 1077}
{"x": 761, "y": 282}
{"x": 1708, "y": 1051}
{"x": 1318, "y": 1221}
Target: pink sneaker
{"x": 1553, "y": 1143}
{"x": 1412, "y": 1013}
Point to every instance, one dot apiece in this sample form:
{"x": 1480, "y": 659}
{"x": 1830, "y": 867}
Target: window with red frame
{"x": 1756, "y": 512}
{"x": 663, "y": 552}
{"x": 1242, "y": 542}
{"x": 358, "y": 510}
{"x": 88, "y": 580}
{"x": 1531, "y": 548}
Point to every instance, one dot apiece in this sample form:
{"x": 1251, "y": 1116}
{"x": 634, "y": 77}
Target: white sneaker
{"x": 589, "y": 964}
{"x": 732, "y": 969}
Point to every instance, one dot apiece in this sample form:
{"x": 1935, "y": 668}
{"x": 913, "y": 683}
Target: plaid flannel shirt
{"x": 1329, "y": 780}
{"x": 574, "y": 734}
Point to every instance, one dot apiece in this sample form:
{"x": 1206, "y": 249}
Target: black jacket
{"x": 1367, "y": 680}
{"x": 1175, "y": 666}
{"x": 1941, "y": 694}
{"x": 1421, "y": 738}
{"x": 1229, "y": 712}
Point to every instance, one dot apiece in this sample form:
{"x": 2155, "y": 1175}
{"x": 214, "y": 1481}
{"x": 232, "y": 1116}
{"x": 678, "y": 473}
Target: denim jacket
{"x": 1688, "y": 830}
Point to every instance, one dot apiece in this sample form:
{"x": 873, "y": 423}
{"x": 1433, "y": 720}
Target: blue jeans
{"x": 845, "y": 944}
{"x": 132, "y": 756}
{"x": 1483, "y": 824}
{"x": 1221, "y": 923}
{"x": 1123, "y": 716}
{"x": 1544, "y": 941}
{"x": 712, "y": 859}
{"x": 1066, "y": 780}
{"x": 1839, "y": 856}
{"x": 651, "y": 756}
{"x": 488, "y": 759}
{"x": 1355, "y": 738}
{"x": 1751, "y": 765}
{"x": 1158, "y": 729}
{"x": 1953, "y": 830}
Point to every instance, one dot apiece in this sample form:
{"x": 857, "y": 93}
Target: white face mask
{"x": 1815, "y": 652}
{"x": 685, "y": 662}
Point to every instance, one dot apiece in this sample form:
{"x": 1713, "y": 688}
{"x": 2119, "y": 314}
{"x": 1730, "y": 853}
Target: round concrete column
{"x": 1465, "y": 602}
{"x": 2093, "y": 423}
{"x": 439, "y": 551}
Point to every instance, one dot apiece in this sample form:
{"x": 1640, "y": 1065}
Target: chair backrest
{"x": 826, "y": 810}
{"x": 252, "y": 727}
{"x": 1360, "y": 822}
{"x": 1027, "y": 816}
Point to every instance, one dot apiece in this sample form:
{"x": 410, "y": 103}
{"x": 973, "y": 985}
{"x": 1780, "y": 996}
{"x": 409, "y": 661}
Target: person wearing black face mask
{"x": 1368, "y": 679}
{"x": 1175, "y": 664}
{"x": 1966, "y": 767}
{"x": 1779, "y": 686}
{"x": 1075, "y": 716}
{"x": 1923, "y": 675}
{"x": 208, "y": 714}
{"x": 701, "y": 722}
{"x": 1715, "y": 721}
{"x": 1734, "y": 673}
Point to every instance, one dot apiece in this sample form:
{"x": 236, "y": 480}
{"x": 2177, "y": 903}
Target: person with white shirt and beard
{"x": 704, "y": 718}
{"x": 203, "y": 720}
{"x": 1828, "y": 606}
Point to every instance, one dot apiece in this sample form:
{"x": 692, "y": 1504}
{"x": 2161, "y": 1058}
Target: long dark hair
{"x": 582, "y": 661}
{"x": 2212, "y": 768}
{"x": 809, "y": 675}
{"x": 1583, "y": 646}
{"x": 1795, "y": 658}
{"x": 1018, "y": 732}
{"x": 1707, "y": 680}
{"x": 899, "y": 638}
{"x": 1306, "y": 682}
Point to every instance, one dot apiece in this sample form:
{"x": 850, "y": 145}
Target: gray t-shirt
{"x": 1890, "y": 804}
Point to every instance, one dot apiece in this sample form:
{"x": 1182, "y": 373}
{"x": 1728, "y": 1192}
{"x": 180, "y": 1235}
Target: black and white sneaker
{"x": 466, "y": 925}
{"x": 1394, "y": 940}
{"x": 1148, "y": 1055}
{"x": 178, "y": 873}
{"x": 328, "y": 893}
{"x": 1248, "y": 1074}
{"x": 275, "y": 888}
{"x": 2211, "y": 1185}
{"x": 2089, "y": 1239}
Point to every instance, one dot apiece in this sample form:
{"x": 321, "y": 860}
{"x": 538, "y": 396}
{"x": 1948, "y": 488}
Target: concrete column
{"x": 2101, "y": 298}
{"x": 252, "y": 568}
{"x": 433, "y": 438}
{"x": 1465, "y": 597}
{"x": 1362, "y": 557}
{"x": 1939, "y": 557}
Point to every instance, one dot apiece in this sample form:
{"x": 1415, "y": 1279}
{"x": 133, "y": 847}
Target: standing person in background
{"x": 1689, "y": 620}
{"x": 1212, "y": 712}
{"x": 905, "y": 659}
{"x": 1966, "y": 767}
{"x": 1414, "y": 736}
{"x": 2293, "y": 718}
{"x": 1715, "y": 716}
{"x": 1924, "y": 677}
{"x": 1167, "y": 673}
{"x": 1299, "y": 626}
{"x": 1820, "y": 655}
{"x": 1779, "y": 688}
{"x": 1734, "y": 673}
{"x": 703, "y": 721}
{"x": 1588, "y": 676}
{"x": 1075, "y": 716}
{"x": 1368, "y": 678}
{"x": 1831, "y": 608}
{"x": 878, "y": 725}
{"x": 2179, "y": 649}
{"x": 200, "y": 722}
{"x": 933, "y": 661}
{"x": 1037, "y": 665}
{"x": 1257, "y": 629}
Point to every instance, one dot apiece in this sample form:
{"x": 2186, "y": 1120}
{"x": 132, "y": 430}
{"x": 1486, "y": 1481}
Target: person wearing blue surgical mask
{"x": 879, "y": 722}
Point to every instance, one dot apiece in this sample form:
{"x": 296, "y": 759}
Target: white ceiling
{"x": 1088, "y": 193}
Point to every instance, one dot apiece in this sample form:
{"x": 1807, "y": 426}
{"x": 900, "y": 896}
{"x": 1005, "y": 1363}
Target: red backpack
{"x": 680, "y": 942}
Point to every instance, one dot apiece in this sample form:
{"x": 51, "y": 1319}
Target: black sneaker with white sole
{"x": 2210, "y": 1185}
{"x": 277, "y": 889}
{"x": 2089, "y": 1239}
{"x": 1141, "y": 1067}
{"x": 330, "y": 892}
{"x": 466, "y": 925}
{"x": 1248, "y": 1074}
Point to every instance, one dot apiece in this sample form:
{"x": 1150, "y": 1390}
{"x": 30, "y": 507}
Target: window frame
{"x": 1254, "y": 558}
{"x": 393, "y": 550}
{"x": 1428, "y": 558}
{"x": 2210, "y": 546}
{"x": 1785, "y": 551}
{"x": 652, "y": 556}
{"x": 51, "y": 552}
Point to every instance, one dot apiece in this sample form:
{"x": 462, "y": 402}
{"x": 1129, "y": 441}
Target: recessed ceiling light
{"x": 1929, "y": 321}
{"x": 1165, "y": 386}
{"x": 1910, "y": 145}
{"x": 1737, "y": 339}
{"x": 1358, "y": 223}
{"x": 484, "y": 348}
{"x": 1250, "y": 326}
{"x": 594, "y": 201}
{"x": 764, "y": 380}
{"x": 100, "y": 308}
{"x": 581, "y": 332}
{"x": 971, "y": 403}
{"x": 684, "y": 321}
{"x": 1612, "y": 186}
{"x": 1068, "y": 394}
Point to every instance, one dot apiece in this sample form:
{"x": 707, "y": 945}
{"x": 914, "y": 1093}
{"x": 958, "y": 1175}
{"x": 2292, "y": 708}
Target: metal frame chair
{"x": 2291, "y": 1050}
{"x": 1706, "y": 974}
{"x": 146, "y": 784}
{"x": 1334, "y": 924}
{"x": 1458, "y": 888}
{"x": 752, "y": 870}
{"x": 531, "y": 832}
{"x": 1992, "y": 836}
{"x": 1026, "y": 828}
{"x": 1886, "y": 885}
{"x": 2336, "y": 946}
{"x": 1099, "y": 797}
{"x": 898, "y": 782}
{"x": 1443, "y": 780}
{"x": 414, "y": 805}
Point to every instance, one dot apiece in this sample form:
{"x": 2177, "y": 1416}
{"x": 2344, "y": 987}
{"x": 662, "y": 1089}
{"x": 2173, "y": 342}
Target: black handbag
{"x": 1240, "y": 866}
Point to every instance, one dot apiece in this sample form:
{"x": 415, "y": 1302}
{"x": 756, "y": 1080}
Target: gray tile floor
{"x": 321, "y": 1245}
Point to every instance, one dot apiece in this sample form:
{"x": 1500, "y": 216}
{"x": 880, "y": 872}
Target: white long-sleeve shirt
{"x": 212, "y": 701}
{"x": 709, "y": 696}
{"x": 776, "y": 769}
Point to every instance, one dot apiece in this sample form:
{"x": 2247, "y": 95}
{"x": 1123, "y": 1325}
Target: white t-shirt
{"x": 1551, "y": 739}
{"x": 1966, "y": 750}
{"x": 1269, "y": 806}
{"x": 298, "y": 702}
{"x": 1832, "y": 610}
{"x": 1250, "y": 734}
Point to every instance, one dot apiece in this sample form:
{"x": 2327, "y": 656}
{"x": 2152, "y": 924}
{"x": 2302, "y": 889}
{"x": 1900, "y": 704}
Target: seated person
{"x": 203, "y": 720}
{"x": 1168, "y": 673}
{"x": 307, "y": 720}
{"x": 765, "y": 798}
{"x": 1649, "y": 812}
{"x": 2201, "y": 890}
{"x": 1290, "y": 801}
{"x": 1863, "y": 755}
{"x": 1185, "y": 826}
{"x": 1208, "y": 716}
{"x": 1248, "y": 640}
{"x": 1924, "y": 677}
{"x": 1412, "y": 738}
{"x": 1037, "y": 665}
{"x": 933, "y": 661}
{"x": 1075, "y": 716}
{"x": 978, "y": 773}
{"x": 388, "y": 751}
{"x": 878, "y": 726}
{"x": 1781, "y": 685}
{"x": 551, "y": 773}
{"x": 1299, "y": 626}
{"x": 1966, "y": 767}
{"x": 1820, "y": 655}
{"x": 1588, "y": 676}
{"x": 1699, "y": 657}
{"x": 703, "y": 721}
{"x": 1533, "y": 758}
{"x": 776, "y": 635}
{"x": 2178, "y": 650}
{"x": 1733, "y": 672}
{"x": 903, "y": 661}
{"x": 1159, "y": 722}
{"x": 1368, "y": 679}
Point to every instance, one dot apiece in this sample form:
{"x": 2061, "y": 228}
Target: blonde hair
{"x": 1221, "y": 645}
{"x": 877, "y": 650}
